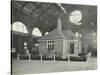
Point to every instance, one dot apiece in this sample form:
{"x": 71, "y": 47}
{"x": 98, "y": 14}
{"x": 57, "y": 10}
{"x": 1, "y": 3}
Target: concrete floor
{"x": 33, "y": 66}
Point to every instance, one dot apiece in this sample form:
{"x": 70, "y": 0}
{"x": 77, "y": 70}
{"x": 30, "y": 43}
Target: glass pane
{"x": 77, "y": 34}
{"x": 14, "y": 27}
{"x": 20, "y": 27}
{"x": 46, "y": 33}
{"x": 25, "y": 30}
{"x": 36, "y": 32}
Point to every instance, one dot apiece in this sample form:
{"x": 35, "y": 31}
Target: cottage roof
{"x": 57, "y": 34}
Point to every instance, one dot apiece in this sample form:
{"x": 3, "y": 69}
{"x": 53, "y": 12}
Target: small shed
{"x": 59, "y": 42}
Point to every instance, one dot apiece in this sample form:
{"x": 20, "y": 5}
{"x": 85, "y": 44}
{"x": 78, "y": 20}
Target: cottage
{"x": 59, "y": 42}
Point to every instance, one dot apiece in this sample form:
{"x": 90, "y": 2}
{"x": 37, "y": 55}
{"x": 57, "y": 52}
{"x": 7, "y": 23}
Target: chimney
{"x": 59, "y": 24}
{"x": 59, "y": 27}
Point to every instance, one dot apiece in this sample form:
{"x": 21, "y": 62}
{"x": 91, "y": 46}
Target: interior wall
{"x": 89, "y": 42}
{"x": 43, "y": 47}
{"x": 18, "y": 43}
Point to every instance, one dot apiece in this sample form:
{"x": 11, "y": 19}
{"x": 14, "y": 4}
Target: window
{"x": 50, "y": 45}
{"x": 19, "y": 27}
{"x": 92, "y": 24}
{"x": 80, "y": 35}
{"x": 46, "y": 33}
{"x": 25, "y": 43}
{"x": 77, "y": 34}
{"x": 71, "y": 48}
{"x": 36, "y": 32}
{"x": 94, "y": 34}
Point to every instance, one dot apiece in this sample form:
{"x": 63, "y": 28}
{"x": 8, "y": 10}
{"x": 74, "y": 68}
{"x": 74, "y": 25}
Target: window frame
{"x": 50, "y": 44}
{"x": 19, "y": 27}
{"x": 35, "y": 34}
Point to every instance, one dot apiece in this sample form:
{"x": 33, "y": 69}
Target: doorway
{"x": 71, "y": 48}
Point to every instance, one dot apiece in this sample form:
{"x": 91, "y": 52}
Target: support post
{"x": 18, "y": 57}
{"x": 54, "y": 58}
{"x": 68, "y": 57}
{"x": 29, "y": 56}
{"x": 88, "y": 56}
{"x": 41, "y": 57}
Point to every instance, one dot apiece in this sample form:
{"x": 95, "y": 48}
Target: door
{"x": 71, "y": 48}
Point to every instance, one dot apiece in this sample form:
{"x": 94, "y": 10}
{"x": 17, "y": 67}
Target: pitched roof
{"x": 56, "y": 34}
